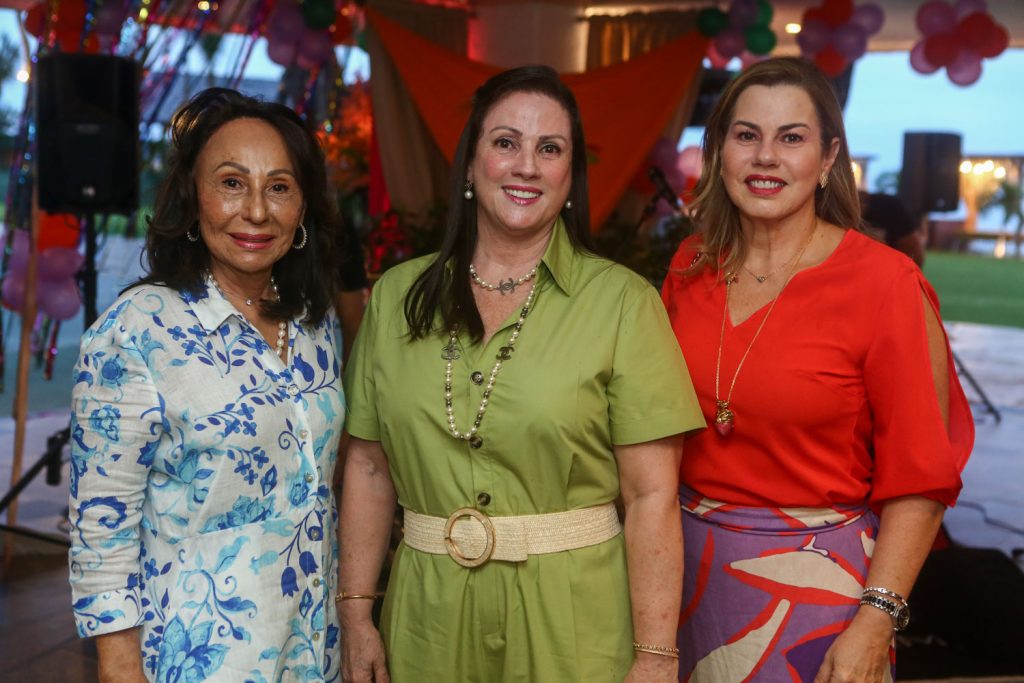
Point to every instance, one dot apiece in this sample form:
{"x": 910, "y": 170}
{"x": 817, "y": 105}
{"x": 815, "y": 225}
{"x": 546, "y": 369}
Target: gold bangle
{"x": 672, "y": 652}
{"x": 354, "y": 596}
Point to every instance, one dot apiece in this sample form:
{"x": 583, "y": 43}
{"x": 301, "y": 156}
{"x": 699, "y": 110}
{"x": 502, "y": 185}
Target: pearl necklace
{"x": 450, "y": 353}
{"x": 503, "y": 286}
{"x": 282, "y": 325}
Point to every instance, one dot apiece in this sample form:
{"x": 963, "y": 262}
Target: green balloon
{"x": 319, "y": 14}
{"x": 712, "y": 21}
{"x": 764, "y": 13}
{"x": 760, "y": 39}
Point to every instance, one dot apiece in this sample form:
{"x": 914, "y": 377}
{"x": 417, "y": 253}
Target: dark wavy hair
{"x": 444, "y": 286}
{"x": 305, "y": 277}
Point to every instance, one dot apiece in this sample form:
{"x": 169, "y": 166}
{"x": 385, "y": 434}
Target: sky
{"x": 886, "y": 99}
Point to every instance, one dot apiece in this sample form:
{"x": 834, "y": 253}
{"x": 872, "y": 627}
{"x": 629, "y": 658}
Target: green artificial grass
{"x": 978, "y": 289}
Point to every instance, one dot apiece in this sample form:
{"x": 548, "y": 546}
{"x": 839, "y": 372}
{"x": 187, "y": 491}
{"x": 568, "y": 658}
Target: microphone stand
{"x": 648, "y": 211}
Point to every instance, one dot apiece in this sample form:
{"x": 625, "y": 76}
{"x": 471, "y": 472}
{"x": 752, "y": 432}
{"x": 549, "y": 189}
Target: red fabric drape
{"x": 624, "y": 107}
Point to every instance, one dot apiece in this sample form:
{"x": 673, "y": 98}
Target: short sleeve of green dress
{"x": 596, "y": 365}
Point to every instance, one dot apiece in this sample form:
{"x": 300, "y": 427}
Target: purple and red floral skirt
{"x": 767, "y": 590}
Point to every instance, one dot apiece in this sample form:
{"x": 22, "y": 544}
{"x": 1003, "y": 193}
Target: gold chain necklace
{"x": 725, "y": 417}
{"x": 761, "y": 278}
{"x": 450, "y": 353}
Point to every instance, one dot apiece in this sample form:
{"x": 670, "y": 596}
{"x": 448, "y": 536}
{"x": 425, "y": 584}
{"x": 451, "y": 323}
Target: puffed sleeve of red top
{"x": 915, "y": 454}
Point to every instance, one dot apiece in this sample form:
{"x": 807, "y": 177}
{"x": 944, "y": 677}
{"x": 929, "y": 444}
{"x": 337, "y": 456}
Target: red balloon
{"x": 814, "y": 14}
{"x": 57, "y": 230}
{"x": 998, "y": 40}
{"x": 35, "y": 20}
{"x": 837, "y": 12}
{"x": 973, "y": 30}
{"x": 341, "y": 31}
{"x": 830, "y": 62}
{"x": 919, "y": 62}
{"x": 941, "y": 49}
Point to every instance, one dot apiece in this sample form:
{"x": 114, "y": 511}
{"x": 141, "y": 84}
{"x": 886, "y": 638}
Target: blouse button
{"x": 316, "y": 635}
{"x": 314, "y": 534}
{"x": 309, "y": 477}
{"x": 293, "y": 390}
{"x": 303, "y": 434}
{"x": 477, "y": 377}
{"x": 483, "y": 498}
{"x": 316, "y": 582}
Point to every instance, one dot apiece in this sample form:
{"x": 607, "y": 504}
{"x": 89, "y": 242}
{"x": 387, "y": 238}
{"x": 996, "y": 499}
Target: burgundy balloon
{"x": 59, "y": 262}
{"x": 973, "y": 31}
{"x": 935, "y": 17}
{"x": 870, "y": 16}
{"x": 919, "y": 62}
{"x": 998, "y": 40}
{"x": 850, "y": 40}
{"x": 965, "y": 69}
{"x": 315, "y": 48}
{"x": 941, "y": 49}
{"x": 286, "y": 21}
{"x": 813, "y": 37}
{"x": 281, "y": 50}
{"x": 730, "y": 43}
{"x": 716, "y": 59}
{"x": 966, "y": 7}
{"x": 742, "y": 13}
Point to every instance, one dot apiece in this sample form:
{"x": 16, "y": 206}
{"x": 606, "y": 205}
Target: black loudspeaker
{"x": 87, "y": 129}
{"x": 930, "y": 179}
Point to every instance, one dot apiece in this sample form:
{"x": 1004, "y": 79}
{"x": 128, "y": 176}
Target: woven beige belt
{"x": 471, "y": 538}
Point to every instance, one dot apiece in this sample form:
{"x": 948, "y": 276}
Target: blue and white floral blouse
{"x": 201, "y": 501}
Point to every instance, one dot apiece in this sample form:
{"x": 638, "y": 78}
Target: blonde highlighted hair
{"x": 714, "y": 213}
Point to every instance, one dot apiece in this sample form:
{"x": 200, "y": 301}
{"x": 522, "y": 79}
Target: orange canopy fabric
{"x": 624, "y": 107}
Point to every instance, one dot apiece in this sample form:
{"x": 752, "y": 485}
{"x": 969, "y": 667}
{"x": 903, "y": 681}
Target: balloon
{"x": 286, "y": 22}
{"x": 830, "y": 62}
{"x": 664, "y": 154}
{"x": 835, "y": 13}
{"x": 711, "y": 21}
{"x": 935, "y": 17}
{"x": 715, "y": 57}
{"x": 965, "y": 69}
{"x": 743, "y": 13}
{"x": 59, "y": 262}
{"x": 13, "y": 293}
{"x": 966, "y": 7}
{"x": 281, "y": 51}
{"x": 35, "y": 20}
{"x": 870, "y": 17}
{"x": 59, "y": 299}
{"x": 17, "y": 263}
{"x": 341, "y": 30}
{"x": 730, "y": 43}
{"x": 690, "y": 161}
{"x": 760, "y": 40}
{"x": 813, "y": 37}
{"x": 109, "y": 19}
{"x": 941, "y": 49}
{"x": 850, "y": 40}
{"x": 748, "y": 59}
{"x": 973, "y": 30}
{"x": 764, "y": 13}
{"x": 919, "y": 62}
{"x": 318, "y": 14}
{"x": 998, "y": 40}
{"x": 315, "y": 48}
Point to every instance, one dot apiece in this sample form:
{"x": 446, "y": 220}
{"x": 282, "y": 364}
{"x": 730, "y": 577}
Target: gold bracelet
{"x": 672, "y": 652}
{"x": 354, "y": 596}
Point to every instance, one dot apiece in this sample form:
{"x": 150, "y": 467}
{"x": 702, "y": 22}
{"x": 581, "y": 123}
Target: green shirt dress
{"x": 596, "y": 365}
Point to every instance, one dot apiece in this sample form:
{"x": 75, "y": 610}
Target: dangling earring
{"x": 468, "y": 194}
{"x": 190, "y": 237}
{"x": 568, "y": 204}
{"x": 305, "y": 236}
{"x": 823, "y": 181}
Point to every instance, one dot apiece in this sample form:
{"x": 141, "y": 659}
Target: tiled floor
{"x": 37, "y": 641}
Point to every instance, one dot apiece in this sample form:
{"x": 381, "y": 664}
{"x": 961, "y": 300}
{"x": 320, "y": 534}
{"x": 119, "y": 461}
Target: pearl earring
{"x": 568, "y": 204}
{"x": 468, "y": 194}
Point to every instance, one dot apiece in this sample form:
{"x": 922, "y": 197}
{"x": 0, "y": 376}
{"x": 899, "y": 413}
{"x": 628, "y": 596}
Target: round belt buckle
{"x": 452, "y": 547}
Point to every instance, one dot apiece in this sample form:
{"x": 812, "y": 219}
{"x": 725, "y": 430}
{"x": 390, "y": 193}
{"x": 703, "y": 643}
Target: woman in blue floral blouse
{"x": 207, "y": 408}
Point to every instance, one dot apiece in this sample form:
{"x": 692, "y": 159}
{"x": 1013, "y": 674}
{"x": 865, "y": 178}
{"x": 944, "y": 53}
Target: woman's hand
{"x": 120, "y": 657}
{"x": 651, "y": 668}
{"x": 362, "y": 653}
{"x": 861, "y": 653}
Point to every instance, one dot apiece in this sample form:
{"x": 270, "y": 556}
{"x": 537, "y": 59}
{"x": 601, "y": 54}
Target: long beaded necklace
{"x": 725, "y": 417}
{"x": 450, "y": 353}
{"x": 503, "y": 286}
{"x": 282, "y": 325}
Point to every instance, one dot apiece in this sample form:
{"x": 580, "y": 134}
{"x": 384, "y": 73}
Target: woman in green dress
{"x": 506, "y": 391}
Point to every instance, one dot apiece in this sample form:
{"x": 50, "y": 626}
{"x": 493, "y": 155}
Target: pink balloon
{"x": 850, "y": 40}
{"x": 870, "y": 17}
{"x": 13, "y": 293}
{"x": 315, "y": 48}
{"x": 935, "y": 17}
{"x": 749, "y": 59}
{"x": 59, "y": 299}
{"x": 919, "y": 62}
{"x": 59, "y": 262}
{"x": 813, "y": 37}
{"x": 690, "y": 161}
{"x": 281, "y": 51}
{"x": 286, "y": 21}
{"x": 730, "y": 43}
{"x": 965, "y": 69}
{"x": 18, "y": 261}
{"x": 964, "y": 8}
{"x": 742, "y": 13}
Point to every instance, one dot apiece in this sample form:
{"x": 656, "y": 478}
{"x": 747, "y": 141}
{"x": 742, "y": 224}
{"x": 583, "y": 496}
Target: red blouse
{"x": 835, "y": 403}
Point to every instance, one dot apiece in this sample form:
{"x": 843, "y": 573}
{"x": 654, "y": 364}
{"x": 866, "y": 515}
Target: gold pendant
{"x": 724, "y": 418}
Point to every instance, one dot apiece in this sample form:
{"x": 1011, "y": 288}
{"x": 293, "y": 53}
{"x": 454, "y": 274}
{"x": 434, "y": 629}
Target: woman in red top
{"x": 840, "y": 426}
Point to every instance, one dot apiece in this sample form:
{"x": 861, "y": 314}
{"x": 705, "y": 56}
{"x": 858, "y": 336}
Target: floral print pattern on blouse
{"x": 201, "y": 501}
